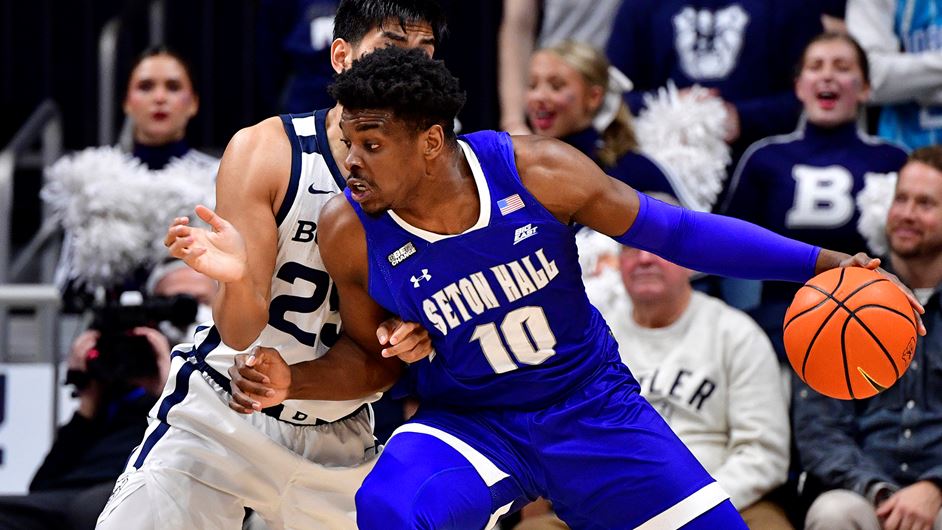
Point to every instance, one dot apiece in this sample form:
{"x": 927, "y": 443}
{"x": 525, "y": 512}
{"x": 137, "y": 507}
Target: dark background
{"x": 49, "y": 50}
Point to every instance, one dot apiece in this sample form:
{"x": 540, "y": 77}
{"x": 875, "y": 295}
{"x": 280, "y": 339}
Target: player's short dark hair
{"x": 417, "y": 89}
{"x": 356, "y": 18}
{"x": 930, "y": 155}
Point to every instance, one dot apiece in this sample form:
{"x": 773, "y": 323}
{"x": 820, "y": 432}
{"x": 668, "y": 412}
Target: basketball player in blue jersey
{"x": 297, "y": 464}
{"x": 526, "y": 395}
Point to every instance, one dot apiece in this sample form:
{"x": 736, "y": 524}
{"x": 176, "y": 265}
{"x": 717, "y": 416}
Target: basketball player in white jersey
{"x": 297, "y": 464}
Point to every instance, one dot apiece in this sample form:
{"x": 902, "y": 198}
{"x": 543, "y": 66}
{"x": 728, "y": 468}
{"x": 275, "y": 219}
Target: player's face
{"x": 384, "y": 159}
{"x": 914, "y": 222}
{"x": 160, "y": 100}
{"x": 391, "y": 33}
{"x": 559, "y": 101}
{"x": 648, "y": 278}
{"x": 831, "y": 83}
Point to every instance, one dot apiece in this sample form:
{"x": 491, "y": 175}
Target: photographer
{"x": 118, "y": 370}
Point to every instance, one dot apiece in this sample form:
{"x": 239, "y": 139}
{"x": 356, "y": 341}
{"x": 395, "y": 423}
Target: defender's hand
{"x": 218, "y": 253}
{"x": 861, "y": 259}
{"x": 407, "y": 340}
{"x": 259, "y": 380}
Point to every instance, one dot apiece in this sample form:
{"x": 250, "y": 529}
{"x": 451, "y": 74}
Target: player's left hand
{"x": 861, "y": 259}
{"x": 914, "y": 507}
{"x": 259, "y": 380}
{"x": 407, "y": 340}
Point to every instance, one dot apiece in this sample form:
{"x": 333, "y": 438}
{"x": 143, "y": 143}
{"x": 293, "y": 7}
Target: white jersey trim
{"x": 484, "y": 194}
{"x": 489, "y": 472}
{"x": 486, "y": 469}
{"x": 688, "y": 509}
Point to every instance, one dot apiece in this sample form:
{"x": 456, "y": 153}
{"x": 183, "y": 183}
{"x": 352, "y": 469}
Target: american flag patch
{"x": 510, "y": 204}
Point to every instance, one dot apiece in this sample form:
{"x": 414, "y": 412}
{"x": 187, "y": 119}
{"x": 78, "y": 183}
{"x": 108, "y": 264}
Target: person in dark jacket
{"x": 879, "y": 459}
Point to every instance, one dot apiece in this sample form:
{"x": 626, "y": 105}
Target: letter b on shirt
{"x": 822, "y": 197}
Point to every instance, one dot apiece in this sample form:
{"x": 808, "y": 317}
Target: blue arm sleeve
{"x": 718, "y": 245}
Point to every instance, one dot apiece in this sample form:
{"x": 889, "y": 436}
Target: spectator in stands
{"x": 114, "y": 206}
{"x": 578, "y": 20}
{"x": 804, "y": 185}
{"x": 574, "y": 96}
{"x": 78, "y": 474}
{"x": 879, "y": 459}
{"x": 744, "y": 50}
{"x": 711, "y": 373}
{"x": 902, "y": 41}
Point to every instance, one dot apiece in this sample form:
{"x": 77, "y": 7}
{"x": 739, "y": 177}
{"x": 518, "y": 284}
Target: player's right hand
{"x": 861, "y": 259}
{"x": 259, "y": 380}
{"x": 218, "y": 253}
{"x": 408, "y": 341}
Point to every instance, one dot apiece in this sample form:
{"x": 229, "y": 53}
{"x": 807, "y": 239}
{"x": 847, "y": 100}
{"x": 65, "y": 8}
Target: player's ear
{"x": 341, "y": 55}
{"x": 434, "y": 141}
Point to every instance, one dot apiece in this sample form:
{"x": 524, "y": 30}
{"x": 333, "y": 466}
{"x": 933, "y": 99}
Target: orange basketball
{"x": 850, "y": 333}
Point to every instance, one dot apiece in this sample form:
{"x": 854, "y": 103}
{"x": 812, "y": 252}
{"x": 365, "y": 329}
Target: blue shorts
{"x": 603, "y": 456}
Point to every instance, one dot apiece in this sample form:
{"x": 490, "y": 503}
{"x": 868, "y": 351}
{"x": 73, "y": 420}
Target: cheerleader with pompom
{"x": 114, "y": 205}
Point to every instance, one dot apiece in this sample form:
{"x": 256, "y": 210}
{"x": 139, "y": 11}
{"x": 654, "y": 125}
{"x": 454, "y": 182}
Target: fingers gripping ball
{"x": 850, "y": 333}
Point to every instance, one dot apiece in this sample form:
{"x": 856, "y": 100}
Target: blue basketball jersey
{"x": 503, "y": 301}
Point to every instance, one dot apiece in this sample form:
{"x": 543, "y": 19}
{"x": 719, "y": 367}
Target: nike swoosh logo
{"x": 316, "y": 191}
{"x": 877, "y": 386}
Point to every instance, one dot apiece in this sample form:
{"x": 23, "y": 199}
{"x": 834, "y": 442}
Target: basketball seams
{"x": 840, "y": 304}
{"x": 840, "y": 280}
{"x": 804, "y": 363}
{"x": 827, "y": 337}
{"x": 850, "y": 387}
{"x": 894, "y": 311}
{"x": 873, "y": 335}
{"x": 810, "y": 309}
{"x": 822, "y": 302}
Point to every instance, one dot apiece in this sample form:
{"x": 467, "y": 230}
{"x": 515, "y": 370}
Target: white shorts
{"x": 201, "y": 464}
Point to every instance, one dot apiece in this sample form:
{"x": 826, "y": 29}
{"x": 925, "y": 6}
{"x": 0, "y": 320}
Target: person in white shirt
{"x": 711, "y": 373}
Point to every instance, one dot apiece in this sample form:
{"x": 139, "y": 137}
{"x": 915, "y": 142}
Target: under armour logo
{"x": 425, "y": 276}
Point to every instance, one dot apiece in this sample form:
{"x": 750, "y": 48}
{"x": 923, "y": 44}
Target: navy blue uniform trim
{"x": 320, "y": 123}
{"x": 180, "y": 391}
{"x": 295, "y": 176}
{"x": 197, "y": 359}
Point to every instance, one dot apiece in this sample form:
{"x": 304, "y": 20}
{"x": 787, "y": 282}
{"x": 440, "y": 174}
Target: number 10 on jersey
{"x": 525, "y": 331}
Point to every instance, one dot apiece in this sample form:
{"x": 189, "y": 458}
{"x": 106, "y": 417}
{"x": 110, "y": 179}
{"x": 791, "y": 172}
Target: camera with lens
{"x": 119, "y": 355}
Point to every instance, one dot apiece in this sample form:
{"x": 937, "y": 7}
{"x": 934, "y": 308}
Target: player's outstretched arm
{"x": 354, "y": 367}
{"x": 574, "y": 188}
{"x": 252, "y": 178}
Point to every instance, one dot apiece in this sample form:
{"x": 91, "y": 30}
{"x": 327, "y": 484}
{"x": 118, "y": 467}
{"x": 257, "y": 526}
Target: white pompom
{"x": 684, "y": 133}
{"x": 116, "y": 211}
{"x": 874, "y": 202}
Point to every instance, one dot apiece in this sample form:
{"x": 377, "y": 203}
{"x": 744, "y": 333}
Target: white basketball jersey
{"x": 304, "y": 318}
